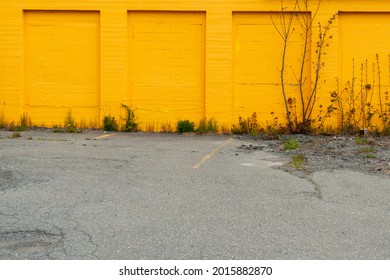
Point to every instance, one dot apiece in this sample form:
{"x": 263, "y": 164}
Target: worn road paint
{"x": 247, "y": 164}
{"x": 199, "y": 164}
{"x": 106, "y": 135}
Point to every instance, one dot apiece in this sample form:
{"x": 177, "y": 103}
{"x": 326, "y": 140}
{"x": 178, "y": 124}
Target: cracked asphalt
{"x": 169, "y": 196}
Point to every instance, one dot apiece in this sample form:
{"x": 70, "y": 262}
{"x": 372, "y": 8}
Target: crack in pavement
{"x": 90, "y": 239}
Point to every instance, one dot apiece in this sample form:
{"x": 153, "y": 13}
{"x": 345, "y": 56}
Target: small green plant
{"x": 207, "y": 126}
{"x": 297, "y": 161}
{"x": 185, "y": 126}
{"x": 57, "y": 129}
{"x": 225, "y": 129}
{"x": 24, "y": 123}
{"x": 130, "y": 124}
{"x": 14, "y": 127}
{"x": 290, "y": 144}
{"x": 361, "y": 141}
{"x": 354, "y": 103}
{"x": 70, "y": 123}
{"x": 366, "y": 150}
{"x": 249, "y": 126}
{"x": 109, "y": 123}
{"x": 2, "y": 120}
{"x": 274, "y": 129}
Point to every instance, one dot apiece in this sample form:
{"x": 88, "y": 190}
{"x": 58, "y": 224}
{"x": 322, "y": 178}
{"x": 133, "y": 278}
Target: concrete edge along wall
{"x": 169, "y": 60}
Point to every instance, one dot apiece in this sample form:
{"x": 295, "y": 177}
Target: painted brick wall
{"x": 222, "y": 62}
{"x": 166, "y": 66}
{"x": 62, "y": 65}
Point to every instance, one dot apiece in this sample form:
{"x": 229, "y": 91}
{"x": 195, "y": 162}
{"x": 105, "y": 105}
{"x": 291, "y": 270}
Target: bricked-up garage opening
{"x": 363, "y": 35}
{"x": 257, "y": 57}
{"x": 61, "y": 57}
{"x": 166, "y": 66}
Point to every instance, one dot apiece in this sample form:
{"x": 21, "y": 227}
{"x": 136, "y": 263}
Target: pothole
{"x": 34, "y": 244}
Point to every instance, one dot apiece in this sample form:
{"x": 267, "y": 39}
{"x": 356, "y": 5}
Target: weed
{"x": 83, "y": 124}
{"x": 25, "y": 121}
{"x": 274, "y": 129}
{"x": 185, "y": 126}
{"x": 166, "y": 127}
{"x": 151, "y": 126}
{"x": 249, "y": 126}
{"x": 207, "y": 126}
{"x": 297, "y": 161}
{"x": 57, "y": 129}
{"x": 24, "y": 124}
{"x": 70, "y": 124}
{"x": 366, "y": 150}
{"x": 3, "y": 123}
{"x": 299, "y": 119}
{"x": 13, "y": 127}
{"x": 290, "y": 144}
{"x": 355, "y": 105}
{"x": 130, "y": 124}
{"x": 225, "y": 129}
{"x": 361, "y": 141}
{"x": 109, "y": 123}
{"x": 371, "y": 156}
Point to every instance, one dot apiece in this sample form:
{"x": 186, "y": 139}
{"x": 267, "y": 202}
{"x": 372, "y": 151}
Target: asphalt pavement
{"x": 111, "y": 196}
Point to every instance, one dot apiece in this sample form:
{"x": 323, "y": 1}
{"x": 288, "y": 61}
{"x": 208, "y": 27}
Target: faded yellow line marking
{"x": 208, "y": 156}
{"x": 106, "y": 135}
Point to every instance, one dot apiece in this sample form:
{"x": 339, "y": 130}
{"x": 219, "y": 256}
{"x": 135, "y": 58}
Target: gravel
{"x": 328, "y": 153}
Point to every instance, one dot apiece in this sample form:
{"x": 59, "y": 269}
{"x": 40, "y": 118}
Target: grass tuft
{"x": 185, "y": 126}
{"x": 207, "y": 126}
{"x": 298, "y": 161}
{"x": 291, "y": 144}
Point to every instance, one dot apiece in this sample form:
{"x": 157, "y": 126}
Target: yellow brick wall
{"x": 103, "y": 67}
{"x": 166, "y": 66}
{"x": 61, "y": 66}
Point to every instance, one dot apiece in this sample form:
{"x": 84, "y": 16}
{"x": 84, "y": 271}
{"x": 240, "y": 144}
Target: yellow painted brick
{"x": 232, "y": 72}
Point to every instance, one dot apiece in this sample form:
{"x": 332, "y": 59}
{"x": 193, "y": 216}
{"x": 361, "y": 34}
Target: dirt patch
{"x": 369, "y": 155}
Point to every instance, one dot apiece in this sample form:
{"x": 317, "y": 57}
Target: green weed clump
{"x": 57, "y": 129}
{"x": 298, "y": 161}
{"x": 207, "y": 126}
{"x": 249, "y": 126}
{"x": 70, "y": 123}
{"x": 24, "y": 123}
{"x": 109, "y": 123}
{"x": 185, "y": 126}
{"x": 291, "y": 144}
{"x": 361, "y": 141}
{"x": 130, "y": 124}
{"x": 366, "y": 150}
